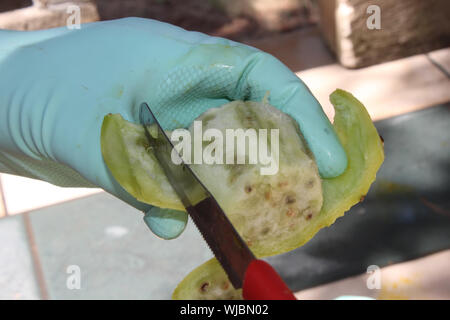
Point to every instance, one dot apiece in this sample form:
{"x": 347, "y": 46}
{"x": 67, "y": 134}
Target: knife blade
{"x": 258, "y": 280}
{"x": 222, "y": 238}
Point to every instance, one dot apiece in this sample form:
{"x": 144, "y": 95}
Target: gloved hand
{"x": 58, "y": 84}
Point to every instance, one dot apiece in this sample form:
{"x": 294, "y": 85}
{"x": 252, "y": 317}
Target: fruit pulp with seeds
{"x": 269, "y": 211}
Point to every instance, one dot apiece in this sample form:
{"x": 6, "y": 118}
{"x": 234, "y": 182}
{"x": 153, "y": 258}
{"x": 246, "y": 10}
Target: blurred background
{"x": 394, "y": 56}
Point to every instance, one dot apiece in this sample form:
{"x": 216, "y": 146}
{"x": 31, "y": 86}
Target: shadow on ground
{"x": 406, "y": 214}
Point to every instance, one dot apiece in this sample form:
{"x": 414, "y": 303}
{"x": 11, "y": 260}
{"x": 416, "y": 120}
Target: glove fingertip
{"x": 331, "y": 157}
{"x": 318, "y": 132}
{"x": 166, "y": 223}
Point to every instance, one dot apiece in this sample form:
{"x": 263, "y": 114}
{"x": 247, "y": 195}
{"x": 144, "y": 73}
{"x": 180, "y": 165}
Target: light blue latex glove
{"x": 58, "y": 84}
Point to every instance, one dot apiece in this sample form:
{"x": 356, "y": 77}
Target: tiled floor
{"x": 117, "y": 256}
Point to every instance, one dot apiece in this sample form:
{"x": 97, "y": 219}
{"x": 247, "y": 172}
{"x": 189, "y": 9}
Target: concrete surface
{"x": 17, "y": 276}
{"x": 117, "y": 256}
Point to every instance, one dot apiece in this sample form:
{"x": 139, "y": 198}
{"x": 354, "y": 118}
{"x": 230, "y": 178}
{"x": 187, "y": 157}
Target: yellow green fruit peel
{"x": 126, "y": 153}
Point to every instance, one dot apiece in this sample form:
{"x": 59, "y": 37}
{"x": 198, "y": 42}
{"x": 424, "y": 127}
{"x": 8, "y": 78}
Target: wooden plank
{"x": 441, "y": 58}
{"x": 271, "y": 15}
{"x": 424, "y": 278}
{"x": 387, "y": 89}
{"x": 406, "y": 28}
{"x": 299, "y": 50}
{"x": 40, "y": 17}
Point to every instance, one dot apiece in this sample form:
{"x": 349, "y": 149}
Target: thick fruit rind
{"x": 364, "y": 149}
{"x": 124, "y": 150}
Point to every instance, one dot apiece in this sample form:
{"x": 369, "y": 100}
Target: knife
{"x": 258, "y": 280}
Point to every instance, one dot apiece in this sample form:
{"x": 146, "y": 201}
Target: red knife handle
{"x": 262, "y": 282}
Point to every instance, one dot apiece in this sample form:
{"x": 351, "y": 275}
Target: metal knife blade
{"x": 222, "y": 238}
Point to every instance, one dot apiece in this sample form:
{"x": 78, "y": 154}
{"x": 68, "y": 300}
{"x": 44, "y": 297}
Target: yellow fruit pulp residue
{"x": 400, "y": 288}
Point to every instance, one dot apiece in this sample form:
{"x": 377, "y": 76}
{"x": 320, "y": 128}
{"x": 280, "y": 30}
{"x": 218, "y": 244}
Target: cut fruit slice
{"x": 207, "y": 282}
{"x": 365, "y": 154}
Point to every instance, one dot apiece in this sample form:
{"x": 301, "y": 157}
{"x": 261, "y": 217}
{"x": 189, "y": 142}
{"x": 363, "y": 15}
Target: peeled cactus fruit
{"x": 269, "y": 211}
{"x": 365, "y": 154}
